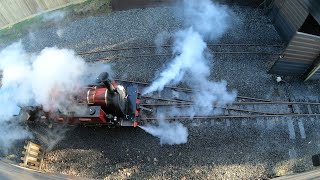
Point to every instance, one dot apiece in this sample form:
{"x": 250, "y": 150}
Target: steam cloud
{"x": 168, "y": 133}
{"x": 48, "y": 79}
{"x": 204, "y": 20}
{"x": 160, "y": 40}
{"x": 210, "y": 19}
{"x": 9, "y": 133}
{"x": 55, "y": 16}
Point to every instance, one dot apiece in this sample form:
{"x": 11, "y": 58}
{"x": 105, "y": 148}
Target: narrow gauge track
{"x": 243, "y": 107}
{"x": 263, "y": 49}
{"x": 170, "y": 46}
{"x": 168, "y": 55}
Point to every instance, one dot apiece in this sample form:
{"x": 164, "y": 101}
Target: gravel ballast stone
{"x": 220, "y": 149}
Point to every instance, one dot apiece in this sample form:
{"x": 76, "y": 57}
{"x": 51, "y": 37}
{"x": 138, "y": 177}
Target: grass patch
{"x": 91, "y": 8}
{"x": 72, "y": 12}
{"x": 17, "y": 30}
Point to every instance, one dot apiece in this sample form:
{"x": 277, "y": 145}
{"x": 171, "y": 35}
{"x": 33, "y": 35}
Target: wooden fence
{"x": 13, "y": 11}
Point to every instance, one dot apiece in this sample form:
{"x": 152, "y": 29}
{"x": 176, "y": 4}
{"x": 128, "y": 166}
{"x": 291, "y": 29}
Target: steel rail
{"x": 165, "y": 99}
{"x": 146, "y": 83}
{"x": 176, "y": 100}
{"x": 166, "y": 46}
{"x": 277, "y": 102}
{"x": 243, "y": 103}
{"x": 120, "y": 49}
{"x": 232, "y": 116}
{"x": 153, "y": 55}
{"x": 226, "y": 108}
{"x": 182, "y": 101}
{"x": 189, "y": 90}
{"x": 249, "y": 111}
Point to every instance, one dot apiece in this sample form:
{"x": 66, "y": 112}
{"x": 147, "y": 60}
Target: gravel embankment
{"x": 139, "y": 27}
{"x": 238, "y": 149}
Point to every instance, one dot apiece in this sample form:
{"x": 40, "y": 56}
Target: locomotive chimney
{"x": 104, "y": 78}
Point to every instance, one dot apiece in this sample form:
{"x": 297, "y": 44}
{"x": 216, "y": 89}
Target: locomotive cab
{"x": 116, "y": 104}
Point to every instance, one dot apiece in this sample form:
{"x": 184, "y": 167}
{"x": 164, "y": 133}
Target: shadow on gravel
{"x": 131, "y": 153}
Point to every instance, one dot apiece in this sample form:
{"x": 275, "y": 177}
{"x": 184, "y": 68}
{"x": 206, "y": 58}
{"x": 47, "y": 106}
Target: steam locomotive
{"x": 103, "y": 104}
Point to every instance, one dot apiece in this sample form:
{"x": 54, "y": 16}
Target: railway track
{"x": 180, "y": 99}
{"x": 170, "y": 46}
{"x": 165, "y": 51}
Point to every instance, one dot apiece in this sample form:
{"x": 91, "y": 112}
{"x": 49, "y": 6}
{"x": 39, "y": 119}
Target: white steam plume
{"x": 204, "y": 20}
{"x": 49, "y": 79}
{"x": 168, "y": 132}
{"x": 210, "y": 19}
{"x": 60, "y": 32}
{"x": 190, "y": 46}
{"x": 160, "y": 40}
{"x": 55, "y": 16}
{"x": 9, "y": 133}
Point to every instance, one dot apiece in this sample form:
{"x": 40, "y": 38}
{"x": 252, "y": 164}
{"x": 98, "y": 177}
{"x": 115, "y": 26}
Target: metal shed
{"x": 297, "y": 22}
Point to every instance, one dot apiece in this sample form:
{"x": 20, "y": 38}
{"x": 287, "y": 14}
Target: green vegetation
{"x": 17, "y": 30}
{"x": 91, "y": 8}
{"x": 75, "y": 11}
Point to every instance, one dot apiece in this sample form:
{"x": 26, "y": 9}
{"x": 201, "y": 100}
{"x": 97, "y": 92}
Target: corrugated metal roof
{"x": 289, "y": 16}
{"x": 314, "y": 9}
{"x": 299, "y": 55}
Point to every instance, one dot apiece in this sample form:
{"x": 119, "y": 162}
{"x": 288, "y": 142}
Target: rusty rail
{"x": 169, "y": 46}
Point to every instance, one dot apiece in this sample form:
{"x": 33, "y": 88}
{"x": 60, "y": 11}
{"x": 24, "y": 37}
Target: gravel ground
{"x": 226, "y": 149}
